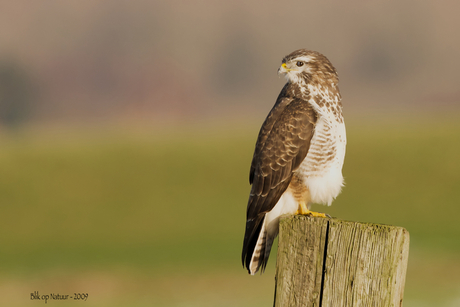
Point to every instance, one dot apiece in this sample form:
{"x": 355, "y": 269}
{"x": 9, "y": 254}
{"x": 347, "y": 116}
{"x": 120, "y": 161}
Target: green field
{"x": 157, "y": 219}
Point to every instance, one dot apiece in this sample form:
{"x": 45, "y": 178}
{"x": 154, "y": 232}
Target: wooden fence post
{"x": 329, "y": 262}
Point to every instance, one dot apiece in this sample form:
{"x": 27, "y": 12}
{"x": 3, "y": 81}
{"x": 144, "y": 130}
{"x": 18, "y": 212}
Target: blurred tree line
{"x": 16, "y": 94}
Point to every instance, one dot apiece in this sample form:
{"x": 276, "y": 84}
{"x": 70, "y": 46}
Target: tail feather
{"x": 253, "y": 227}
{"x": 258, "y": 256}
{"x": 256, "y": 249}
{"x": 268, "y": 248}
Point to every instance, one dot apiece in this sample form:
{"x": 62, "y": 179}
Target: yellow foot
{"x": 304, "y": 211}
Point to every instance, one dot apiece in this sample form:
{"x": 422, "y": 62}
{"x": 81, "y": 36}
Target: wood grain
{"x": 330, "y": 262}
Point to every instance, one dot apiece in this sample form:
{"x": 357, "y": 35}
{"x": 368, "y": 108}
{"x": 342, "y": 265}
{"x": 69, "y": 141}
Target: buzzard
{"x": 299, "y": 153}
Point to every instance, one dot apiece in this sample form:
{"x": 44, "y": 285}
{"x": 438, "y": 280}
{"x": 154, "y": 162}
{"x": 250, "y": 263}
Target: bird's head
{"x": 307, "y": 66}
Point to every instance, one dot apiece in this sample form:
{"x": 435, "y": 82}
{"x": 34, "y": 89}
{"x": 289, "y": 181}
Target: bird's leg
{"x": 303, "y": 210}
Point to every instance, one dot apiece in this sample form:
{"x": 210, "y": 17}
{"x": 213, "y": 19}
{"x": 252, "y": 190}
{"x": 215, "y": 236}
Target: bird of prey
{"x": 299, "y": 153}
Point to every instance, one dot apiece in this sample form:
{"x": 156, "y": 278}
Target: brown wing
{"x": 282, "y": 145}
{"x": 275, "y": 113}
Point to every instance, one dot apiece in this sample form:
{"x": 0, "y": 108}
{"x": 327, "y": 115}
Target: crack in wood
{"x": 323, "y": 272}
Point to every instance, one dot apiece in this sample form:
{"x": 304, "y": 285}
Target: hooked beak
{"x": 283, "y": 69}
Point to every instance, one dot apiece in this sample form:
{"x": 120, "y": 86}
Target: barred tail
{"x": 257, "y": 245}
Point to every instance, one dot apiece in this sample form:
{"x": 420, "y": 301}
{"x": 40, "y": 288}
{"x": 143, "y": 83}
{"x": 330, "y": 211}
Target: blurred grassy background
{"x": 139, "y": 219}
{"x": 127, "y": 130}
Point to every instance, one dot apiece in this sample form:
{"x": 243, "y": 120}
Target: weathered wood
{"x": 330, "y": 262}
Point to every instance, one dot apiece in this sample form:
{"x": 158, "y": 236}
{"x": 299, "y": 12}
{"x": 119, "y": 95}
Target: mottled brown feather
{"x": 281, "y": 102}
{"x": 285, "y": 147}
{"x": 281, "y": 147}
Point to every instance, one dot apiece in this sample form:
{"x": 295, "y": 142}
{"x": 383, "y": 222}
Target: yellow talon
{"x": 303, "y": 210}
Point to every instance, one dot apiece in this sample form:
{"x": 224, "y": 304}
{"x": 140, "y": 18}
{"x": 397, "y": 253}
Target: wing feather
{"x": 285, "y": 147}
{"x": 281, "y": 102}
{"x": 282, "y": 145}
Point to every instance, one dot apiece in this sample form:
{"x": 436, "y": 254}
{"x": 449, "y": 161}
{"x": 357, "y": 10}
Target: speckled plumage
{"x": 299, "y": 152}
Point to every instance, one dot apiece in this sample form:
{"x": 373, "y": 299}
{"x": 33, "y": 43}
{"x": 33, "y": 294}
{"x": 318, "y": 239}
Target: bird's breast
{"x": 321, "y": 171}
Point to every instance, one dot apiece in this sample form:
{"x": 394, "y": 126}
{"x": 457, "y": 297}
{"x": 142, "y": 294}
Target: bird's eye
{"x": 299, "y": 64}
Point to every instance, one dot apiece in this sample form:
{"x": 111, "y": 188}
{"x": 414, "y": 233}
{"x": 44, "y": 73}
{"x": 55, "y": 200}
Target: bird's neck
{"x": 324, "y": 97}
{"x": 326, "y": 100}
